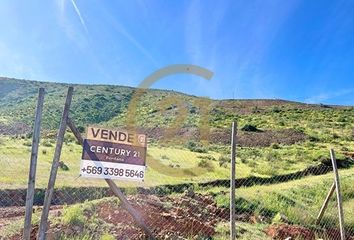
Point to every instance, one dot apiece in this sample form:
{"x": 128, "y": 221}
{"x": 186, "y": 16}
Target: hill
{"x": 280, "y": 121}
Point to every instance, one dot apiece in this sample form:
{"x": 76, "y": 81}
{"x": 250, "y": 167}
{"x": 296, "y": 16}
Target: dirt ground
{"x": 245, "y": 139}
{"x": 168, "y": 217}
{"x": 189, "y": 216}
{"x": 9, "y": 215}
{"x": 285, "y": 231}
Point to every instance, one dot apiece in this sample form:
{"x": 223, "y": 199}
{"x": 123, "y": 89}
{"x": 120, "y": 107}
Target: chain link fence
{"x": 287, "y": 206}
{"x": 185, "y": 195}
{"x": 176, "y": 201}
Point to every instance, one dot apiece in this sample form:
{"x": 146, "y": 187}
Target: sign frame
{"x": 113, "y": 154}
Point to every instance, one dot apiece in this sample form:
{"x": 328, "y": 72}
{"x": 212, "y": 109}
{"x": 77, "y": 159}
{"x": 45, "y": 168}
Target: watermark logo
{"x": 170, "y": 133}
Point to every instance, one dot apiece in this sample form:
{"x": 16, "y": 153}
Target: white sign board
{"x": 113, "y": 154}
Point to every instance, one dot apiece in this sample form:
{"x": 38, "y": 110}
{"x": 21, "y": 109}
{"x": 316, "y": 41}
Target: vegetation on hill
{"x": 109, "y": 105}
{"x": 281, "y": 146}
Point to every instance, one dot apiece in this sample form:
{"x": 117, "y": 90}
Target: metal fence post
{"x": 33, "y": 165}
{"x": 232, "y": 185}
{"x": 339, "y": 195}
{"x": 55, "y": 165}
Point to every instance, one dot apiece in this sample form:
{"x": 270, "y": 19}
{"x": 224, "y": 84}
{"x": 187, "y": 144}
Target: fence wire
{"x": 177, "y": 200}
{"x": 287, "y": 206}
{"x": 187, "y": 197}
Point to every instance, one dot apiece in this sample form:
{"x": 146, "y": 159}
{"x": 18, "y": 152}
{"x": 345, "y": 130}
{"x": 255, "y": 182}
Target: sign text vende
{"x": 116, "y": 136}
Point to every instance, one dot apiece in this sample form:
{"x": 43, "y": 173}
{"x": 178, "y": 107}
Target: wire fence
{"x": 183, "y": 203}
{"x": 287, "y": 206}
{"x": 185, "y": 195}
{"x": 176, "y": 201}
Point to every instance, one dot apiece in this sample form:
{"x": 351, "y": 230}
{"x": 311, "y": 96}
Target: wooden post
{"x": 55, "y": 165}
{"x": 138, "y": 219}
{"x": 339, "y": 195}
{"x": 232, "y": 185}
{"x": 33, "y": 165}
{"x": 325, "y": 204}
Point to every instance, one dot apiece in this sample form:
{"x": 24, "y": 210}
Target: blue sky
{"x": 295, "y": 50}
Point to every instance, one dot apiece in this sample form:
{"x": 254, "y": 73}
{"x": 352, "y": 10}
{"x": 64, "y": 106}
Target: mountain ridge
{"x": 279, "y": 121}
{"x": 164, "y": 90}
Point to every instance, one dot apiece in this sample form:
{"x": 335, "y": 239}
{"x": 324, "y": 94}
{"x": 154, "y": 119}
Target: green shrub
{"x": 207, "y": 157}
{"x": 250, "y": 128}
{"x": 47, "y": 143}
{"x": 273, "y": 156}
{"x": 252, "y": 164}
{"x": 276, "y": 109}
{"x": 38, "y": 198}
{"x": 205, "y": 164}
{"x": 196, "y": 147}
{"x": 223, "y": 160}
{"x": 335, "y": 136}
{"x": 164, "y": 157}
{"x": 244, "y": 160}
{"x": 267, "y": 169}
{"x": 74, "y": 215}
{"x": 171, "y": 165}
{"x": 63, "y": 166}
{"x": 29, "y": 135}
{"x": 27, "y": 143}
{"x": 280, "y": 218}
{"x": 342, "y": 119}
{"x": 255, "y": 109}
{"x": 81, "y": 129}
{"x": 107, "y": 236}
{"x": 275, "y": 146}
{"x": 191, "y": 144}
{"x": 314, "y": 139}
{"x": 345, "y": 149}
{"x": 68, "y": 138}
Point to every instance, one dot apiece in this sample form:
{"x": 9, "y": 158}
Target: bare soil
{"x": 221, "y": 136}
{"x": 189, "y": 216}
{"x": 16, "y": 128}
{"x": 9, "y": 215}
{"x": 286, "y": 231}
